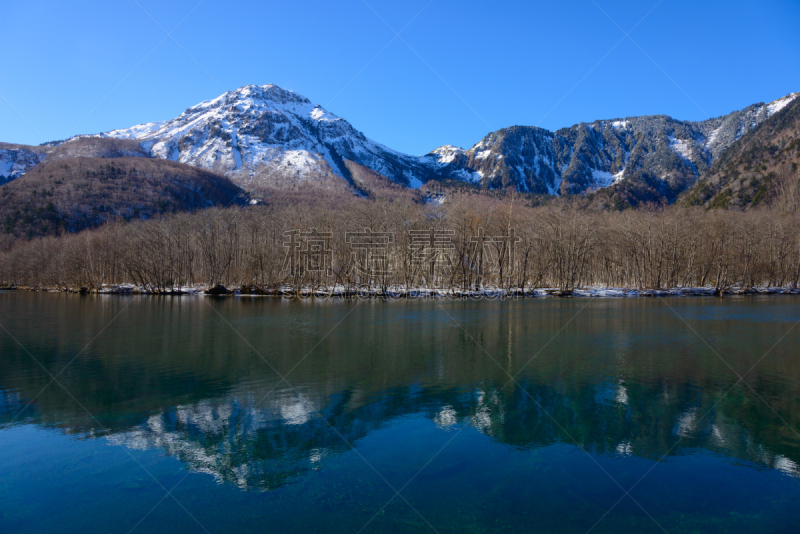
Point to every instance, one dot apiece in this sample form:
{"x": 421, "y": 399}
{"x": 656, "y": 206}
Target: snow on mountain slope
{"x": 605, "y": 178}
{"x": 777, "y": 105}
{"x": 521, "y": 157}
{"x": 591, "y": 156}
{"x": 721, "y": 132}
{"x": 265, "y": 136}
{"x": 447, "y": 154}
{"x": 138, "y": 131}
{"x": 449, "y": 161}
{"x": 268, "y": 137}
{"x": 15, "y": 160}
{"x": 749, "y": 172}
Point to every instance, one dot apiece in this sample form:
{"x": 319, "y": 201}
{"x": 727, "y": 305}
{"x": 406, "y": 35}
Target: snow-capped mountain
{"x": 520, "y": 156}
{"x": 265, "y": 136}
{"x": 268, "y": 137}
{"x": 590, "y": 156}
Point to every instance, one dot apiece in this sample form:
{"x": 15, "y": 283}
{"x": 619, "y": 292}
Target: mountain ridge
{"x": 265, "y": 138}
{"x": 599, "y": 154}
{"x": 761, "y": 168}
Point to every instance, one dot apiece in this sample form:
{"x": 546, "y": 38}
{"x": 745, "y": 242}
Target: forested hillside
{"x": 69, "y": 195}
{"x": 16, "y": 160}
{"x": 761, "y": 168}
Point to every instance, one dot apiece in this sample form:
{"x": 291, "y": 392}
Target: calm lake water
{"x": 191, "y": 414}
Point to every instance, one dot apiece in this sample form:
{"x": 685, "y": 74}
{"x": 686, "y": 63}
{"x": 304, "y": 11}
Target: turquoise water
{"x": 191, "y": 414}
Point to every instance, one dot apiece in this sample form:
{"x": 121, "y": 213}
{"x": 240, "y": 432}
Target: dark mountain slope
{"x": 96, "y": 147}
{"x": 16, "y": 160}
{"x": 76, "y": 193}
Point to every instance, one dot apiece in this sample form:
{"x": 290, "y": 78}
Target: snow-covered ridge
{"x": 697, "y": 144}
{"x": 266, "y": 136}
{"x": 136, "y": 132}
{"x": 449, "y": 161}
{"x": 777, "y": 105}
{"x": 447, "y": 153}
{"x": 519, "y": 156}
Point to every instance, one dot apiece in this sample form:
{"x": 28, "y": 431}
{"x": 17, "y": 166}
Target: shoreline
{"x": 413, "y": 293}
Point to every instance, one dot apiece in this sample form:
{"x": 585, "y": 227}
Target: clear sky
{"x": 457, "y": 70}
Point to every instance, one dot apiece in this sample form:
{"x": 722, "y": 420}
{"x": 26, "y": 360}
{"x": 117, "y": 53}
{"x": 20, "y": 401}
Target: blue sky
{"x": 457, "y": 71}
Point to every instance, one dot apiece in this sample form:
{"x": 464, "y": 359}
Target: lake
{"x": 199, "y": 414}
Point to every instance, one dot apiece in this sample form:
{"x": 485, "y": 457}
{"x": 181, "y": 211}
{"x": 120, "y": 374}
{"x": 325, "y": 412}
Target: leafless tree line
{"x": 468, "y": 243}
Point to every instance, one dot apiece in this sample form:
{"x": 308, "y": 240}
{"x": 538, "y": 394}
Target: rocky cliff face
{"x": 268, "y": 137}
{"x": 662, "y": 151}
{"x": 522, "y": 157}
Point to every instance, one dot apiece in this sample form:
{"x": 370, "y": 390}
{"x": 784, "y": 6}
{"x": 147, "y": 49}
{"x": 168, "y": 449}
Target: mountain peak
{"x": 446, "y": 149}
{"x": 248, "y": 96}
{"x": 264, "y": 136}
{"x": 269, "y": 92}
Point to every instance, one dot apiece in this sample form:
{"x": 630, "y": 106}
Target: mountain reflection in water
{"x": 623, "y": 379}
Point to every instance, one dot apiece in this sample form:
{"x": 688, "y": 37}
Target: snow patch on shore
{"x": 422, "y": 292}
